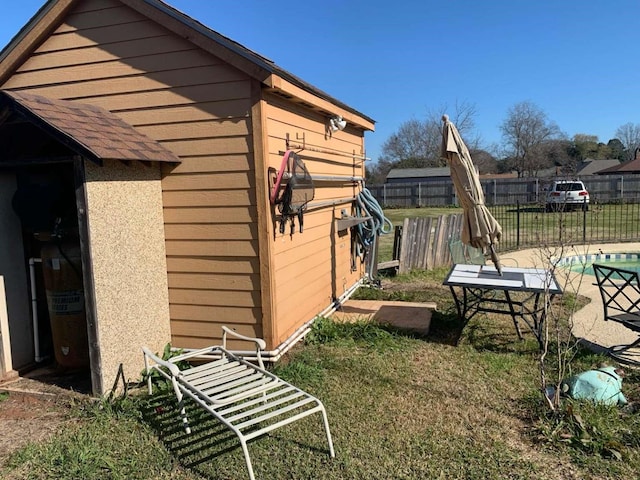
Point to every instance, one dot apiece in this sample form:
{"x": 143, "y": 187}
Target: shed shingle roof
{"x": 90, "y": 131}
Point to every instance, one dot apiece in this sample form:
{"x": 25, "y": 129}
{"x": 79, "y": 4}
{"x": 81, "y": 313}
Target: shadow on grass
{"x": 482, "y": 333}
{"x": 485, "y": 335}
{"x": 208, "y": 441}
{"x": 446, "y": 328}
{"x": 211, "y": 450}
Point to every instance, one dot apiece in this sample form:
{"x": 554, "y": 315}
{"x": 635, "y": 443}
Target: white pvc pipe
{"x": 299, "y": 334}
{"x": 34, "y": 309}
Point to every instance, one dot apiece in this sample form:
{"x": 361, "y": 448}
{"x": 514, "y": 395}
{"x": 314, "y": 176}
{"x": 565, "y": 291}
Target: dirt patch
{"x": 25, "y": 418}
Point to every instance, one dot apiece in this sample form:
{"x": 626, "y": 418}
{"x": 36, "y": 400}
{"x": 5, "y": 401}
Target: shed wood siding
{"x": 312, "y": 267}
{"x": 198, "y": 107}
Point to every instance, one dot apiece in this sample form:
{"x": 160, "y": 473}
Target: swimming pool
{"x": 582, "y": 263}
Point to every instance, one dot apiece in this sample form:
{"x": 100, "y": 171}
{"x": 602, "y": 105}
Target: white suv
{"x": 567, "y": 194}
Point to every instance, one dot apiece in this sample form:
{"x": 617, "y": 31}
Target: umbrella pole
{"x": 495, "y": 259}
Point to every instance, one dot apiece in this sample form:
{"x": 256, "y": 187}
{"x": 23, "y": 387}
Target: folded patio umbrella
{"x": 479, "y": 229}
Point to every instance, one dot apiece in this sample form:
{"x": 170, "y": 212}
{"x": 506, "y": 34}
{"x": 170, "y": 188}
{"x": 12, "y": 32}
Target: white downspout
{"x": 34, "y": 309}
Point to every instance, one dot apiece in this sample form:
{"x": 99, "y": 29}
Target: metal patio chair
{"x": 620, "y": 292}
{"x": 462, "y": 253}
{"x": 465, "y": 254}
{"x": 249, "y": 400}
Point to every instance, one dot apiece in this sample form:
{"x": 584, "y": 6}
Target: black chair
{"x": 620, "y": 292}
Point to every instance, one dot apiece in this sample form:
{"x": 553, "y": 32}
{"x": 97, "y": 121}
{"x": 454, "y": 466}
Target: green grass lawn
{"x": 400, "y": 407}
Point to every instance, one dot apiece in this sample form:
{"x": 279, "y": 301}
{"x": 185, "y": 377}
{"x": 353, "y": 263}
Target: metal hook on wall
{"x": 299, "y": 137}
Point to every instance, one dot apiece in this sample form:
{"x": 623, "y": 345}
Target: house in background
{"x": 418, "y": 175}
{"x": 499, "y": 176}
{"x": 627, "y": 168}
{"x": 593, "y": 167}
{"x": 153, "y": 140}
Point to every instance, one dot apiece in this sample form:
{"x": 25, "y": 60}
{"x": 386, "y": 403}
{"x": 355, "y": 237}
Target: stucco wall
{"x": 126, "y": 236}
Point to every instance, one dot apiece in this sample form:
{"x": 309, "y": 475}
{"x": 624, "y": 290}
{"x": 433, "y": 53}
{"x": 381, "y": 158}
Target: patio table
{"x": 523, "y": 293}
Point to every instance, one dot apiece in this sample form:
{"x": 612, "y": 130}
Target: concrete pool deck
{"x": 589, "y": 324}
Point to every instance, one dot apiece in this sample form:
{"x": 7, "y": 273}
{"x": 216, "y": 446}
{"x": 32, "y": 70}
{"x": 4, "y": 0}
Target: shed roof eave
{"x": 245, "y": 59}
{"x": 31, "y": 34}
{"x": 329, "y": 105}
{"x": 52, "y": 13}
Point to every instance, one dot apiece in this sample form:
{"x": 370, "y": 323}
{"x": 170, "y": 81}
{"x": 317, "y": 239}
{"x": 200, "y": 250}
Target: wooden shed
{"x": 153, "y": 142}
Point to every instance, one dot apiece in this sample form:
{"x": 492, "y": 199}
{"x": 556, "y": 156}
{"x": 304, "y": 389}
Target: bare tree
{"x": 417, "y": 143}
{"x": 629, "y": 135}
{"x": 485, "y": 162}
{"x": 463, "y": 115}
{"x": 525, "y": 132}
{"x": 411, "y": 146}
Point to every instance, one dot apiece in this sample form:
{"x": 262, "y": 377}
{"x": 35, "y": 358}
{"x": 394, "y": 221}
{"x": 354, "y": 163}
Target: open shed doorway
{"x": 42, "y": 272}
{"x": 52, "y": 152}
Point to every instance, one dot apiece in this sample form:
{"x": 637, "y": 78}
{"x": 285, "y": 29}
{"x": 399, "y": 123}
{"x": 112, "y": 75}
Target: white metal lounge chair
{"x": 246, "y": 398}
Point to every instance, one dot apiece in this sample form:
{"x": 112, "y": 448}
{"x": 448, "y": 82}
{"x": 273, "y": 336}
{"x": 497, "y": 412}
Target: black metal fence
{"x": 529, "y": 225}
{"x": 511, "y": 191}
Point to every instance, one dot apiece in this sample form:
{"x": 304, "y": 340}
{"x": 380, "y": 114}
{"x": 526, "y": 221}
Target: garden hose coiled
{"x": 366, "y": 206}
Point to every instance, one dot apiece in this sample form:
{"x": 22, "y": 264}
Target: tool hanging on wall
{"x": 297, "y": 193}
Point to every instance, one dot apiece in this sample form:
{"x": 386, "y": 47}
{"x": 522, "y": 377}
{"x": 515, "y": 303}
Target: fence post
{"x": 384, "y": 194}
{"x": 397, "y": 242}
{"x": 404, "y": 247}
{"x": 561, "y": 223}
{"x": 584, "y": 220}
{"x": 517, "y": 224}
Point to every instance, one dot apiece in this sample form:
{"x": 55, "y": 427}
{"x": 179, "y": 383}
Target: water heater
{"x": 62, "y": 270}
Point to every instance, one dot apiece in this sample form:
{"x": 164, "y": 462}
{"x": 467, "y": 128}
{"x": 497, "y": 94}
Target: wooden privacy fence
{"x": 504, "y": 191}
{"x": 423, "y": 243}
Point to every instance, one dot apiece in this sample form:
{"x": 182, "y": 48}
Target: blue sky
{"x": 395, "y": 61}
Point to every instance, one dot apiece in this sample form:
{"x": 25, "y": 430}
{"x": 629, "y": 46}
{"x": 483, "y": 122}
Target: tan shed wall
{"x": 126, "y": 241}
{"x": 201, "y": 108}
{"x": 197, "y": 106}
{"x": 312, "y": 268}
